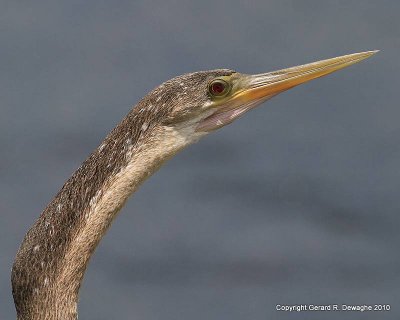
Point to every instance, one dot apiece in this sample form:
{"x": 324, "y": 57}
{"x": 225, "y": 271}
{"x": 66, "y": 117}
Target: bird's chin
{"x": 227, "y": 115}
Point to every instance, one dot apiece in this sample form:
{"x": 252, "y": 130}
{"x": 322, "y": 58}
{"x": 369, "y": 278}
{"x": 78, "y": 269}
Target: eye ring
{"x": 218, "y": 88}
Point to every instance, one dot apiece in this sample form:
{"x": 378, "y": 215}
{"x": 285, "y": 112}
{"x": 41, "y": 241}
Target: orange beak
{"x": 265, "y": 85}
{"x": 249, "y": 91}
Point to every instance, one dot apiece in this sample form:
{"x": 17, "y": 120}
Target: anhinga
{"x": 54, "y": 254}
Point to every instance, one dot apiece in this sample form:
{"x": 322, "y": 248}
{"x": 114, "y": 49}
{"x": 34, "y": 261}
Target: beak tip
{"x": 370, "y": 53}
{"x": 357, "y": 57}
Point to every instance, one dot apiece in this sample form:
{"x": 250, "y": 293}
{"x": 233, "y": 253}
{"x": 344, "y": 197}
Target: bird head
{"x": 204, "y": 101}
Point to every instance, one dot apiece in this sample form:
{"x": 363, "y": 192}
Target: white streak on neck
{"x": 145, "y": 159}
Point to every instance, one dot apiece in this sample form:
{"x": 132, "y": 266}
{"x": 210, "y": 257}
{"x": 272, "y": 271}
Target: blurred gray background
{"x": 296, "y": 203}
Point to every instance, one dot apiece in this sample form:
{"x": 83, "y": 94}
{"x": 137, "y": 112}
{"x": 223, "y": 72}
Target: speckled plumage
{"x": 52, "y": 259}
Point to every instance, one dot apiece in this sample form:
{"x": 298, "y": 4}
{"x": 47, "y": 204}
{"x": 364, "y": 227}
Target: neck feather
{"x": 53, "y": 257}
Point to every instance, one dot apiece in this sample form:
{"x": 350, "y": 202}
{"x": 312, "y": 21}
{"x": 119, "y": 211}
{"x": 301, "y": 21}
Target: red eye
{"x": 218, "y": 87}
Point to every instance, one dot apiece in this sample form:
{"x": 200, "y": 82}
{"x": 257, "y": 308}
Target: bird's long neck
{"x": 52, "y": 259}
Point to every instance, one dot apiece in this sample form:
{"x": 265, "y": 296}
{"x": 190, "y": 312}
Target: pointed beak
{"x": 265, "y": 85}
{"x": 249, "y": 91}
